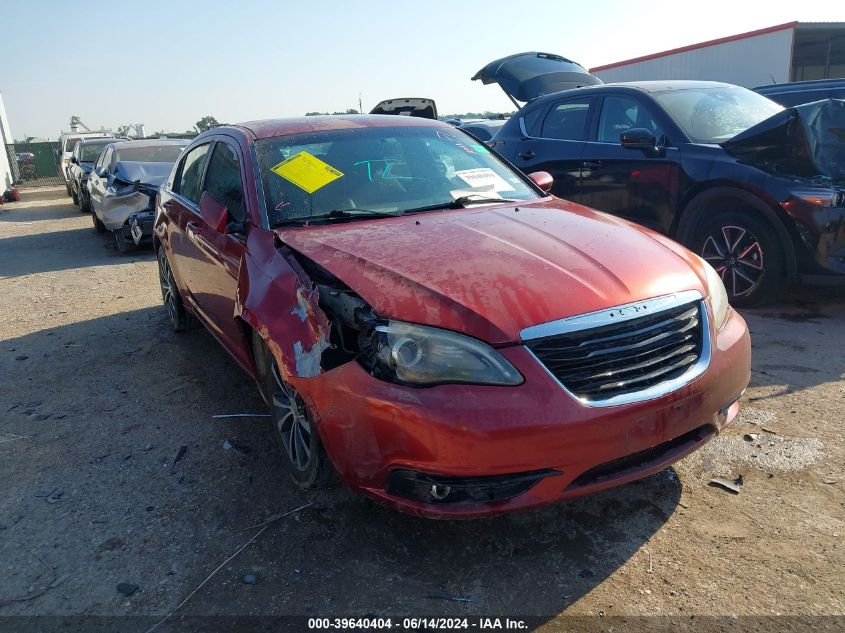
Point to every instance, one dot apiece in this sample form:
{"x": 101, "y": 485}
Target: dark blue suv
{"x": 755, "y": 189}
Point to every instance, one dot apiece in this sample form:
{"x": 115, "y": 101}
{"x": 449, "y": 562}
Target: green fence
{"x": 35, "y": 164}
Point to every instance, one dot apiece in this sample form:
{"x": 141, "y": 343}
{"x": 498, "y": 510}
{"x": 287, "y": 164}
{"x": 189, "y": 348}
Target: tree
{"x": 206, "y": 123}
{"x": 123, "y": 131}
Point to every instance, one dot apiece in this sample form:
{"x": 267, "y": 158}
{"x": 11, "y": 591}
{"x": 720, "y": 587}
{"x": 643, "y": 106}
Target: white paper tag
{"x": 483, "y": 178}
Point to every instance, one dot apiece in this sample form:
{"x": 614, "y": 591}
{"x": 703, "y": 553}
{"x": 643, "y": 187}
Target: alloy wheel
{"x": 292, "y": 421}
{"x": 165, "y": 277}
{"x": 737, "y": 255}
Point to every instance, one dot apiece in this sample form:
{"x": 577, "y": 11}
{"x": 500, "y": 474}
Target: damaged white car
{"x": 124, "y": 184}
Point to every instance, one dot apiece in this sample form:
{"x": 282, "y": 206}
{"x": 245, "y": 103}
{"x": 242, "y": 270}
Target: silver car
{"x": 125, "y": 181}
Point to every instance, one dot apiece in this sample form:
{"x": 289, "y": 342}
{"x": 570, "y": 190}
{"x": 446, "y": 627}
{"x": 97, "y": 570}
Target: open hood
{"x": 408, "y": 106}
{"x": 807, "y": 141}
{"x": 526, "y": 76}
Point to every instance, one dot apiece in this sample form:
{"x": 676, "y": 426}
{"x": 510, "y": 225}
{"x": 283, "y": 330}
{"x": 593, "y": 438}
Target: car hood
{"x": 408, "y": 106}
{"x": 154, "y": 174}
{"x": 85, "y": 168}
{"x": 492, "y": 271}
{"x": 805, "y": 141}
{"x": 526, "y": 76}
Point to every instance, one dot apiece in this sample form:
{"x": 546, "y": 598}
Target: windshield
{"x": 713, "y": 115}
{"x": 90, "y": 151}
{"x": 380, "y": 169}
{"x": 150, "y": 154}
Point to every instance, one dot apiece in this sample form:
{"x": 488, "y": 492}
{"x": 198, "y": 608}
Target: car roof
{"x": 269, "y": 128}
{"x": 153, "y": 142}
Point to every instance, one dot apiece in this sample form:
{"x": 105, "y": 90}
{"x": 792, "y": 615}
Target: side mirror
{"x": 74, "y": 160}
{"x": 542, "y": 179}
{"x": 101, "y": 171}
{"x": 213, "y": 212}
{"x": 639, "y": 138}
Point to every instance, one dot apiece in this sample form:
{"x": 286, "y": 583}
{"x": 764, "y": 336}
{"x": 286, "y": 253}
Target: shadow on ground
{"x": 126, "y": 394}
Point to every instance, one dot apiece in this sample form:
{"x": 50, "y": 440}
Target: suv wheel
{"x": 98, "y": 225}
{"x": 746, "y": 253}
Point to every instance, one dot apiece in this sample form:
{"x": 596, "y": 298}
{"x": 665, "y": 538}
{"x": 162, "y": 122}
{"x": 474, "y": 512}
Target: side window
{"x": 530, "y": 119}
{"x": 567, "y": 121}
{"x": 105, "y": 159}
{"x": 190, "y": 174}
{"x": 619, "y": 114}
{"x": 223, "y": 180}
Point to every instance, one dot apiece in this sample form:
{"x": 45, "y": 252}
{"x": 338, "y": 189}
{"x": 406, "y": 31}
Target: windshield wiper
{"x": 341, "y": 214}
{"x": 461, "y": 203}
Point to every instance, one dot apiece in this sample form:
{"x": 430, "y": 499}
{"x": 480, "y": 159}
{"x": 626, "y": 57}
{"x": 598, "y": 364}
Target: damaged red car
{"x": 431, "y": 326}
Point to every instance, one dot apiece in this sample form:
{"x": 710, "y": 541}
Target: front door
{"x": 638, "y": 185}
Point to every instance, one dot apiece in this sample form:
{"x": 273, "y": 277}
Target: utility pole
{"x": 360, "y": 107}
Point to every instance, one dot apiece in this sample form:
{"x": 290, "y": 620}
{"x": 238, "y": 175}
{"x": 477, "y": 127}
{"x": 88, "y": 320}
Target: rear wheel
{"x": 84, "y": 201}
{"x": 179, "y": 318}
{"x": 295, "y": 431}
{"x": 67, "y": 187}
{"x": 74, "y": 196}
{"x": 746, "y": 253}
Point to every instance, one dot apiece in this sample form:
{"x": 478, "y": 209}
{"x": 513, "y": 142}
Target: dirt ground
{"x": 98, "y": 396}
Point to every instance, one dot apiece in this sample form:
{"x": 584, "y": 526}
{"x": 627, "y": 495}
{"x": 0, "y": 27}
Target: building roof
{"x": 721, "y": 40}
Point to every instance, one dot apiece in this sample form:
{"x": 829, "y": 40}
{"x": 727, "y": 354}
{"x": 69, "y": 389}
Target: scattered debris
{"x": 750, "y": 437}
{"x": 830, "y": 481}
{"x": 21, "y": 357}
{"x": 131, "y": 350}
{"x": 127, "y": 588}
{"x": 683, "y": 505}
{"x": 223, "y": 564}
{"x": 54, "y": 496}
{"x": 727, "y": 484}
{"x": 228, "y": 445}
{"x": 586, "y": 573}
{"x": 54, "y": 582}
{"x": 249, "y": 579}
{"x": 182, "y": 450}
{"x": 768, "y": 430}
{"x": 220, "y": 416}
{"x": 451, "y": 598}
{"x": 650, "y": 567}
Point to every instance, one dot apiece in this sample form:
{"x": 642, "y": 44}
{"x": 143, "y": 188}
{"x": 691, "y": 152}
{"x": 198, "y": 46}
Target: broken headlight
{"x": 420, "y": 355}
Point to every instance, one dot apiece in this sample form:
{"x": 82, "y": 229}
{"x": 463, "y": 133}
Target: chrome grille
{"x": 634, "y": 353}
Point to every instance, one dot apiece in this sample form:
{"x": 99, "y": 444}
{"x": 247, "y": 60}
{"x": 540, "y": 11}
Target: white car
{"x": 66, "y": 143}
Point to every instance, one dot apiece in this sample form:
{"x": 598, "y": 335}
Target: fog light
{"x": 437, "y": 489}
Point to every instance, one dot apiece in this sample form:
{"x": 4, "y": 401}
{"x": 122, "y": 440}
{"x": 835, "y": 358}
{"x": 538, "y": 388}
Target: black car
{"x": 757, "y": 190}
{"x": 797, "y": 92}
{"x": 85, "y": 154}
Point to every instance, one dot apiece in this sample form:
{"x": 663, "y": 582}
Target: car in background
{"x": 125, "y": 181}
{"x": 483, "y": 130}
{"x": 407, "y": 106}
{"x": 756, "y": 190}
{"x": 799, "y": 92}
{"x": 85, "y": 154}
{"x": 67, "y": 141}
{"x": 430, "y": 325}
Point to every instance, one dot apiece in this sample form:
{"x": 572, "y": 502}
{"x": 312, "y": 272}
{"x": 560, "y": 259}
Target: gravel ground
{"x": 98, "y": 399}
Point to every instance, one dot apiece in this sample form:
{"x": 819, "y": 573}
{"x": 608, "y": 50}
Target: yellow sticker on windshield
{"x": 307, "y": 172}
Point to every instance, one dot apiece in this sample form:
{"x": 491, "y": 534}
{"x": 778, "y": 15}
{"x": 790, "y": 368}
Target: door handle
{"x": 592, "y": 164}
{"x": 527, "y": 154}
{"x": 191, "y": 230}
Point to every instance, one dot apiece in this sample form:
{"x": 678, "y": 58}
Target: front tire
{"x": 120, "y": 241}
{"x": 75, "y": 197}
{"x": 99, "y": 227}
{"x": 296, "y": 434}
{"x": 746, "y": 253}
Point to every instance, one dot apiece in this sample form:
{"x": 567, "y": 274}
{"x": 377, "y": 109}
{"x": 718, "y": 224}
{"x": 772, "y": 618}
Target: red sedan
{"x": 431, "y": 326}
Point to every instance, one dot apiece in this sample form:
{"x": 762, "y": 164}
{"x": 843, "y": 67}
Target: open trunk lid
{"x": 526, "y": 76}
{"x": 805, "y": 141}
{"x": 408, "y": 106}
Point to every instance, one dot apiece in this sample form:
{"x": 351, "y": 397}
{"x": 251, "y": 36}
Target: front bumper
{"x": 822, "y": 231}
{"x": 371, "y": 429}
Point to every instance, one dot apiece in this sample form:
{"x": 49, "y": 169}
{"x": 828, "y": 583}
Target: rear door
{"x": 556, "y": 144}
{"x": 636, "y": 184}
{"x": 182, "y": 207}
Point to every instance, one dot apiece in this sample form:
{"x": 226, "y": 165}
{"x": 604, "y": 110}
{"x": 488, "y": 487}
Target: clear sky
{"x": 168, "y": 63}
